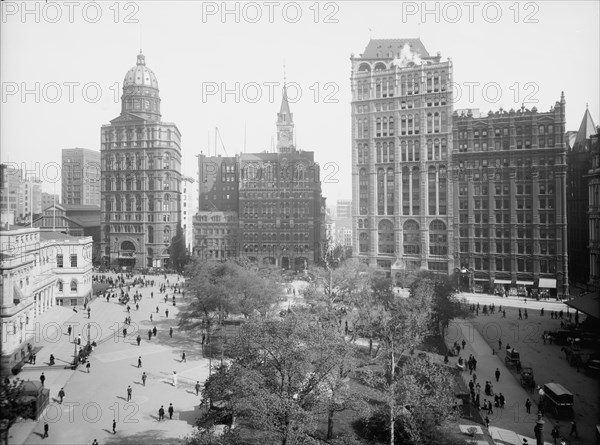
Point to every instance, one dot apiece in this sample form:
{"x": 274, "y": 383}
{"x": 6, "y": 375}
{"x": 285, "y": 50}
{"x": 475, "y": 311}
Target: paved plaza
{"x": 93, "y": 400}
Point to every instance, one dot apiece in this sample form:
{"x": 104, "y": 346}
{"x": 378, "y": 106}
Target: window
{"x": 59, "y": 285}
{"x": 73, "y": 285}
{"x": 73, "y": 260}
{"x": 59, "y": 260}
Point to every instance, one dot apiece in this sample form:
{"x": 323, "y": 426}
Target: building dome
{"x": 140, "y": 92}
{"x": 140, "y": 75}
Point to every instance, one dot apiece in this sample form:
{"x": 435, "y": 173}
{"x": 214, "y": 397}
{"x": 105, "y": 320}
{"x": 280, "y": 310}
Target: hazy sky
{"x": 63, "y": 64}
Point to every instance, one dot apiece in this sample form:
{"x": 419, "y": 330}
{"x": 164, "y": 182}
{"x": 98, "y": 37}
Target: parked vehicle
{"x": 527, "y": 379}
{"x": 513, "y": 358}
{"x": 558, "y": 401}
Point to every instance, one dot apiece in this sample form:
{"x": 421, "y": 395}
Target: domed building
{"x": 141, "y": 177}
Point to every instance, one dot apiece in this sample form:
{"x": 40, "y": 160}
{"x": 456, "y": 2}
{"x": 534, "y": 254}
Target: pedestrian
{"x": 490, "y": 408}
{"x": 478, "y": 389}
{"x": 154, "y": 331}
{"x": 140, "y": 361}
{"x": 525, "y": 313}
{"x": 520, "y": 314}
{"x": 174, "y": 379}
{"x": 474, "y": 364}
{"x": 149, "y": 334}
{"x": 69, "y": 330}
{"x": 129, "y": 391}
{"x": 463, "y": 343}
{"x": 171, "y": 332}
{"x": 151, "y": 294}
{"x": 555, "y": 433}
{"x": 197, "y": 387}
{"x": 157, "y": 309}
{"x": 46, "y": 427}
{"x": 144, "y": 376}
{"x": 574, "y": 429}
{"x": 161, "y": 413}
{"x": 114, "y": 426}
{"x": 89, "y": 312}
{"x": 171, "y": 411}
{"x": 542, "y": 312}
{"x": 502, "y": 400}
{"x": 34, "y": 357}
{"x": 150, "y": 317}
{"x": 528, "y": 406}
{"x": 497, "y": 374}
{"x": 42, "y": 378}
{"x": 61, "y": 394}
{"x": 487, "y": 421}
{"x": 499, "y": 345}
{"x": 79, "y": 340}
{"x": 88, "y": 367}
{"x": 137, "y": 307}
{"x": 138, "y": 339}
{"x": 167, "y": 313}
{"x": 95, "y": 442}
{"x": 183, "y": 357}
{"x": 125, "y": 331}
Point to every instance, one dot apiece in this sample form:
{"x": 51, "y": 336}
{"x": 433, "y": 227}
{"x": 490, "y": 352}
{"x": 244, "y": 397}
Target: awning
{"x": 496, "y": 281}
{"x": 525, "y": 283}
{"x": 547, "y": 283}
{"x": 485, "y": 280}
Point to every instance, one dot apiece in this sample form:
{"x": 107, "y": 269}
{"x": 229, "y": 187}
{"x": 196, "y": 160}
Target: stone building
{"x": 594, "y": 212}
{"x": 80, "y": 176}
{"x": 509, "y": 182}
{"x": 266, "y": 207}
{"x": 37, "y": 271}
{"x": 141, "y": 177}
{"x": 579, "y": 162}
{"x": 401, "y": 139}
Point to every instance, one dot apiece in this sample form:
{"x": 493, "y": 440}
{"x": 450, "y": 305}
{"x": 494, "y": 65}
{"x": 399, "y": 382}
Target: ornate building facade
{"x": 509, "y": 179}
{"x": 80, "y": 176}
{"x": 141, "y": 177}
{"x": 594, "y": 212}
{"x": 37, "y": 271}
{"x": 266, "y": 207}
{"x": 401, "y": 134}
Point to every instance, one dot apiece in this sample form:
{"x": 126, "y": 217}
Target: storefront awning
{"x": 496, "y": 281}
{"x": 525, "y": 283}
{"x": 485, "y": 280}
{"x": 547, "y": 283}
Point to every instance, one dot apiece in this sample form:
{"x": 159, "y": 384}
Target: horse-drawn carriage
{"x": 527, "y": 379}
{"x": 513, "y": 358}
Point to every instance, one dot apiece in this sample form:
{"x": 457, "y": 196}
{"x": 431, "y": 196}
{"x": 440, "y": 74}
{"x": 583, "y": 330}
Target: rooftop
{"x": 393, "y": 46}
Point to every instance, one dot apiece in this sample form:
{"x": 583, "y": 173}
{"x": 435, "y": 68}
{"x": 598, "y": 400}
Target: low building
{"x": 216, "y": 235}
{"x": 39, "y": 270}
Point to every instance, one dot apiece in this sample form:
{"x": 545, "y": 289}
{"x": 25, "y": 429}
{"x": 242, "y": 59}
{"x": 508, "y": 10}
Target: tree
{"x": 219, "y": 289}
{"x": 282, "y": 375}
{"x": 11, "y": 406}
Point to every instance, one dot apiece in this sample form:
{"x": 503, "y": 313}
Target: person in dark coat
{"x": 161, "y": 413}
{"x": 46, "y": 427}
{"x": 171, "y": 410}
{"x": 497, "y": 374}
{"x": 42, "y": 378}
{"x": 114, "y": 425}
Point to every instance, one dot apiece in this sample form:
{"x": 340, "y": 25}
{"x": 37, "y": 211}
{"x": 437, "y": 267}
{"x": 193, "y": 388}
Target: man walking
{"x": 45, "y": 430}
{"x": 88, "y": 367}
{"x": 149, "y": 334}
{"x": 161, "y": 413}
{"x": 154, "y": 331}
{"x": 174, "y": 379}
{"x": 528, "y": 406}
{"x": 129, "y": 391}
{"x": 497, "y": 374}
{"x": 140, "y": 361}
{"x": 197, "y": 387}
{"x": 61, "y": 395}
{"x": 574, "y": 429}
{"x": 171, "y": 411}
{"x": 167, "y": 313}
{"x": 124, "y": 332}
{"x": 42, "y": 378}
{"x": 183, "y": 357}
{"x": 171, "y": 332}
{"x": 89, "y": 311}
{"x": 114, "y": 426}
{"x": 138, "y": 339}
{"x": 144, "y": 376}
{"x": 69, "y": 330}
{"x": 79, "y": 340}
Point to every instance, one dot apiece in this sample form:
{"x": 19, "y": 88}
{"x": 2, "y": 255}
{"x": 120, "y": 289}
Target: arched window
{"x": 385, "y": 236}
{"x": 432, "y": 189}
{"x": 438, "y": 238}
{"x": 167, "y": 235}
{"x": 363, "y": 242}
{"x": 150, "y": 234}
{"x": 411, "y": 238}
{"x": 416, "y": 191}
{"x": 363, "y": 191}
{"x": 380, "y": 191}
{"x": 390, "y": 191}
{"x": 379, "y": 157}
{"x": 60, "y": 285}
{"x": 73, "y": 285}
{"x": 442, "y": 190}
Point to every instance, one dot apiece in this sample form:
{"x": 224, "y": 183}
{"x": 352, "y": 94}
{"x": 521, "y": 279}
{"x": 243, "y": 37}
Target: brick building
{"x": 509, "y": 180}
{"x": 594, "y": 212}
{"x": 80, "y": 176}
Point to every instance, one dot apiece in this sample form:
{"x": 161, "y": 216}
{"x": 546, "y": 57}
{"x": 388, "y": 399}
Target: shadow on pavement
{"x": 150, "y": 436}
{"x": 189, "y": 417}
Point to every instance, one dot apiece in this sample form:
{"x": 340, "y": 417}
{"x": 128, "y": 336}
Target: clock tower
{"x": 285, "y": 126}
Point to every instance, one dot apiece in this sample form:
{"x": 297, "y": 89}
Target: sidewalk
{"x": 510, "y": 425}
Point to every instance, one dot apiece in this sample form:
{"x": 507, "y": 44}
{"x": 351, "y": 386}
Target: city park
{"x": 331, "y": 355}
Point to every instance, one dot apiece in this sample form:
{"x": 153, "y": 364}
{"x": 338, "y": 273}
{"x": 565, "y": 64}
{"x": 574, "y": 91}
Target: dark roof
{"x": 384, "y": 46}
{"x": 589, "y": 304}
{"x": 586, "y": 129}
{"x": 80, "y": 207}
{"x": 47, "y": 235}
{"x": 86, "y": 220}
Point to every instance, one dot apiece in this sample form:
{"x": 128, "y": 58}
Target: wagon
{"x": 513, "y": 358}
{"x": 558, "y": 401}
{"x": 527, "y": 379}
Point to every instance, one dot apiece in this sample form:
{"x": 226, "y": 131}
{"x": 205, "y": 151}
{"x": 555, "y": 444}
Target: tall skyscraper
{"x": 80, "y": 176}
{"x": 510, "y": 221}
{"x": 594, "y": 212}
{"x": 401, "y": 134}
{"x": 141, "y": 176}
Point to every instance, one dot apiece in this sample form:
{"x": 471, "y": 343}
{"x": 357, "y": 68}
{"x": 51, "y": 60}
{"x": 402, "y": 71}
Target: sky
{"x": 222, "y": 64}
